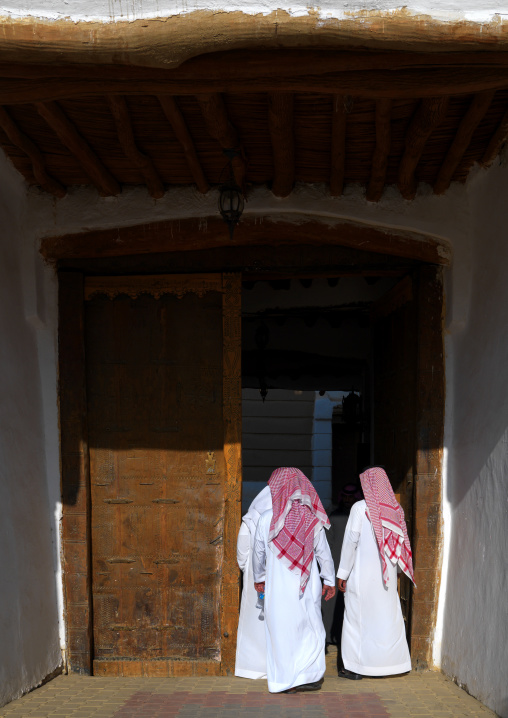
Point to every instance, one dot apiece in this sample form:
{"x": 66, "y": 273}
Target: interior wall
{"x": 29, "y": 603}
{"x": 472, "y": 636}
{"x": 276, "y": 432}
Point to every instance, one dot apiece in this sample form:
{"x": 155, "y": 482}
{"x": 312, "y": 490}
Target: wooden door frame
{"x": 75, "y": 480}
{"x": 427, "y": 513}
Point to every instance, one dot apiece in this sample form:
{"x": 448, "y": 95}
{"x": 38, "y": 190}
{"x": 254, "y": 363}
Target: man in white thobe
{"x": 375, "y": 544}
{"x": 289, "y": 542}
{"x": 251, "y": 640}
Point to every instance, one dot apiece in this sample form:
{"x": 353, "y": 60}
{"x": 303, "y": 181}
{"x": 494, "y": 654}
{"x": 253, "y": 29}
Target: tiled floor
{"x": 422, "y": 695}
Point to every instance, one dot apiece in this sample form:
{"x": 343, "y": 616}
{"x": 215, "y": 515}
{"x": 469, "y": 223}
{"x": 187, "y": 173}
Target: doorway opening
{"x": 307, "y": 379}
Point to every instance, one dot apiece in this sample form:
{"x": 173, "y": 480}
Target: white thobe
{"x": 251, "y": 640}
{"x": 295, "y": 635}
{"x": 373, "y": 633}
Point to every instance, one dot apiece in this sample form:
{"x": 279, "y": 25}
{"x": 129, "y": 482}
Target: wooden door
{"x": 163, "y": 391}
{"x": 395, "y": 335}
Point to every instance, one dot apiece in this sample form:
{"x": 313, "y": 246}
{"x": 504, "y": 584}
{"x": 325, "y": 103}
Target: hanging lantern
{"x": 231, "y": 200}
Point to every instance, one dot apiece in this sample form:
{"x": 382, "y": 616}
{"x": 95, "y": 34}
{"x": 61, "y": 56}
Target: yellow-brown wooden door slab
{"x": 163, "y": 495}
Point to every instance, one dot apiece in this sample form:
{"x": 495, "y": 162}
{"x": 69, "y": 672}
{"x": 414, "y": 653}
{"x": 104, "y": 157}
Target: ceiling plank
{"x": 430, "y": 113}
{"x": 338, "y": 153}
{"x": 496, "y": 142}
{"x": 281, "y": 126}
{"x": 21, "y": 140}
{"x": 120, "y": 112}
{"x": 417, "y": 83}
{"x": 276, "y": 231}
{"x": 176, "y": 120}
{"x": 213, "y": 109}
{"x": 474, "y": 115}
{"x": 381, "y": 151}
{"x": 56, "y": 118}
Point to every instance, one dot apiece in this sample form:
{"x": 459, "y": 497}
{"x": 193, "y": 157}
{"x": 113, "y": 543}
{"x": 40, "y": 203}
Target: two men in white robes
{"x": 289, "y": 542}
{"x": 375, "y": 543}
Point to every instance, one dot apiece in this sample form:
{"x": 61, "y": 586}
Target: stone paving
{"x": 422, "y": 695}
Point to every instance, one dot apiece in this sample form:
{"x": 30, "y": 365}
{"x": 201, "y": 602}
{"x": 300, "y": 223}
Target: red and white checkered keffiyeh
{"x": 298, "y": 515}
{"x": 387, "y": 519}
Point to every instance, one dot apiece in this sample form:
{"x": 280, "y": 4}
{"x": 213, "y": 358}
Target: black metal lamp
{"x": 231, "y": 200}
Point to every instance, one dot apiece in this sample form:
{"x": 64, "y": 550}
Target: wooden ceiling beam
{"x": 276, "y": 231}
{"x": 250, "y": 64}
{"x": 213, "y": 109}
{"x": 430, "y": 113}
{"x": 26, "y": 145}
{"x": 338, "y": 153}
{"x": 120, "y": 112}
{"x": 376, "y": 84}
{"x": 474, "y": 115}
{"x": 496, "y": 142}
{"x": 56, "y": 118}
{"x": 176, "y": 120}
{"x": 381, "y": 151}
{"x": 280, "y": 123}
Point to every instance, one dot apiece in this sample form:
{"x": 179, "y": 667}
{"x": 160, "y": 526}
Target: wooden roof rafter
{"x": 177, "y": 121}
{"x": 338, "y": 144}
{"x": 382, "y": 150}
{"x": 120, "y": 112}
{"x": 428, "y": 116}
{"x": 474, "y": 115}
{"x": 26, "y": 145}
{"x": 280, "y": 122}
{"x": 220, "y": 127}
{"x": 56, "y": 118}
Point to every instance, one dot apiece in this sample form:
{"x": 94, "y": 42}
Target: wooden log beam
{"x": 427, "y": 117}
{"x": 474, "y": 115}
{"x": 197, "y": 234}
{"x": 496, "y": 142}
{"x": 175, "y": 118}
{"x": 376, "y": 84}
{"x": 18, "y": 138}
{"x": 120, "y": 112}
{"x": 381, "y": 151}
{"x": 338, "y": 153}
{"x": 280, "y": 122}
{"x": 75, "y": 143}
{"x": 250, "y": 64}
{"x": 221, "y": 129}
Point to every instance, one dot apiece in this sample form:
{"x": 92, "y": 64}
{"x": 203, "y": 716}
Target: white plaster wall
{"x": 30, "y": 646}
{"x": 128, "y": 10}
{"x": 472, "y": 637}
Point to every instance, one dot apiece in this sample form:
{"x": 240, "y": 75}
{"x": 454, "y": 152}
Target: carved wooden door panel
{"x": 164, "y": 500}
{"x": 395, "y": 336}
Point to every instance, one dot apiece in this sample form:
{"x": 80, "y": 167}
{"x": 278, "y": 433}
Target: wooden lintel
{"x": 71, "y": 138}
{"x": 413, "y": 83}
{"x": 18, "y": 138}
{"x": 474, "y": 115}
{"x": 338, "y": 152}
{"x": 120, "y": 112}
{"x": 280, "y": 122}
{"x": 427, "y": 117}
{"x": 496, "y": 142}
{"x": 175, "y": 118}
{"x": 213, "y": 109}
{"x": 381, "y": 151}
{"x": 197, "y": 234}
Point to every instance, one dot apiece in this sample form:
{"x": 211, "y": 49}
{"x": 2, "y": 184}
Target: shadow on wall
{"x": 475, "y": 629}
